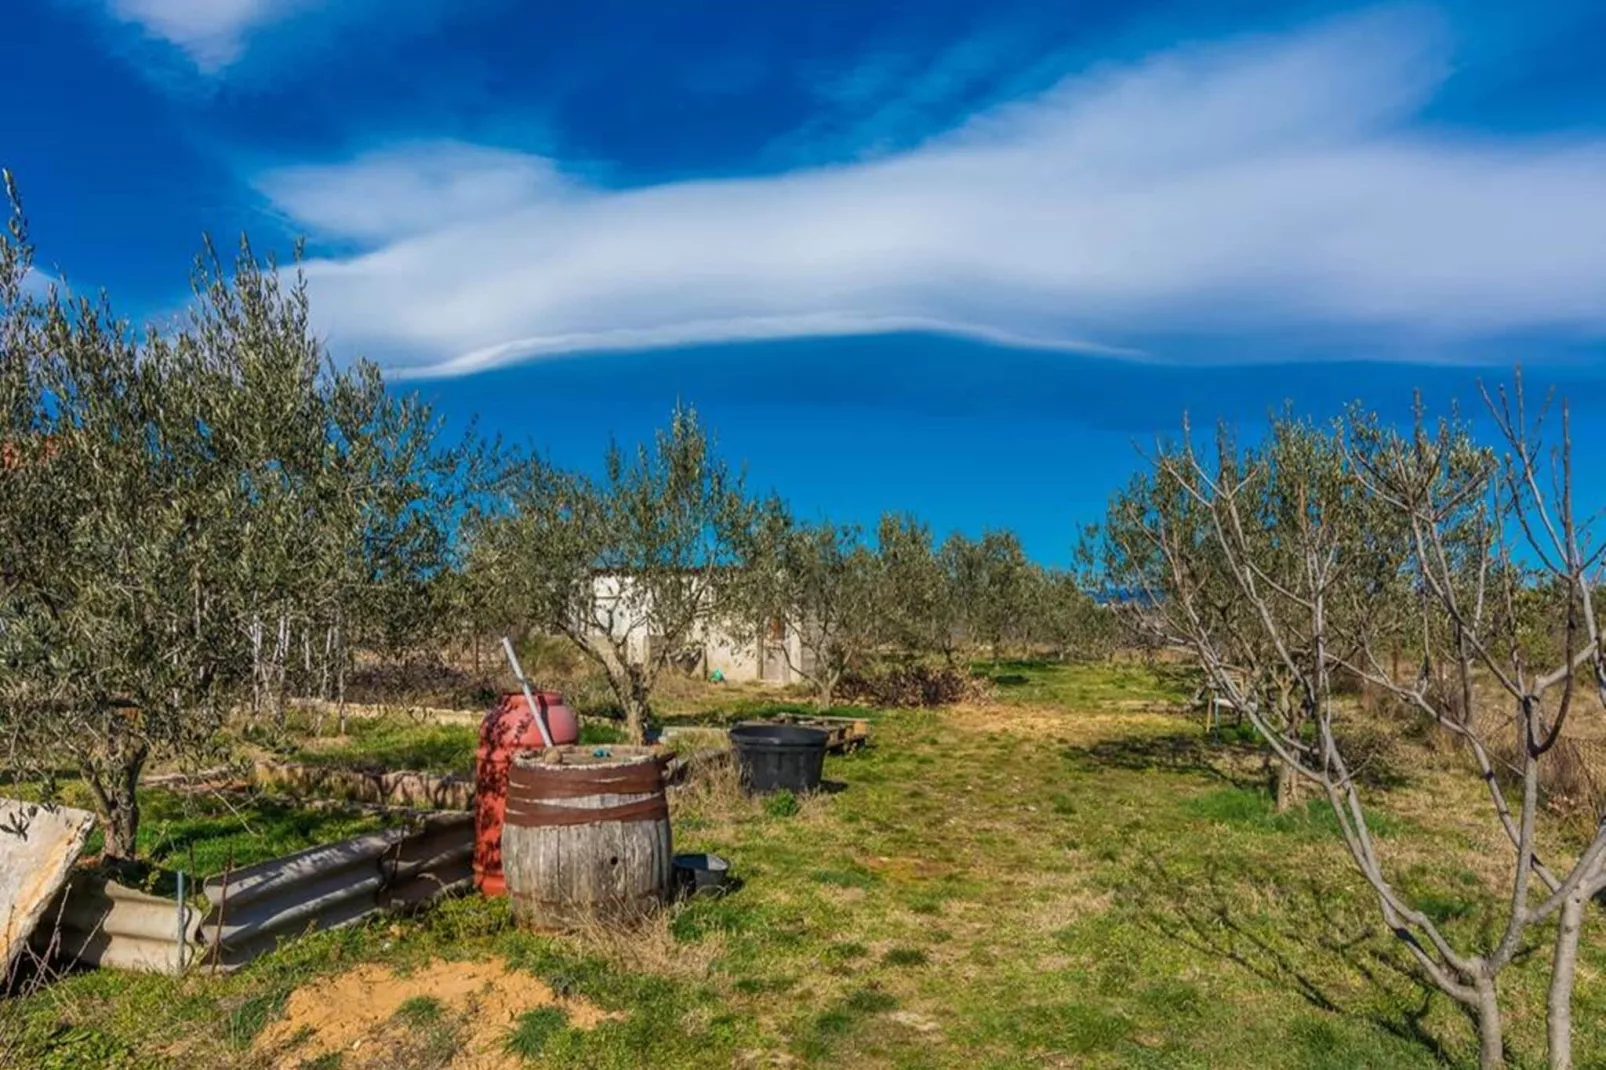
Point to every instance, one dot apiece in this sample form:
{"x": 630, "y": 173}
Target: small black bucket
{"x": 701, "y": 874}
{"x": 777, "y": 757}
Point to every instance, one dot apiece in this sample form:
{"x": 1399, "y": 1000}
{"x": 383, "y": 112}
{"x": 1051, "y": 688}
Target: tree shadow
{"x": 1200, "y": 911}
{"x": 1239, "y": 759}
{"x": 1187, "y": 753}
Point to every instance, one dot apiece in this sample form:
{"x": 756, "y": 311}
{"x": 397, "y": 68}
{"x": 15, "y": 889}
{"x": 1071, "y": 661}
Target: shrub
{"x": 913, "y": 686}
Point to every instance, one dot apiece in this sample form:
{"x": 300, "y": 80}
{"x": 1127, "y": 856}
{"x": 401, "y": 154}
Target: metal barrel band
{"x": 625, "y": 780}
{"x": 540, "y": 815}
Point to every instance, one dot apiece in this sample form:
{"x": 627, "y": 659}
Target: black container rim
{"x": 782, "y": 734}
{"x": 704, "y": 862}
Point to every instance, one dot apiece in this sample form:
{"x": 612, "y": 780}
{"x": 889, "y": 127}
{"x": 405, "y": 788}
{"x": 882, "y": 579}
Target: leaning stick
{"x": 535, "y": 710}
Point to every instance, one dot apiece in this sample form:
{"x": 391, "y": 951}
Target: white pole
{"x": 535, "y": 710}
{"x": 181, "y": 921}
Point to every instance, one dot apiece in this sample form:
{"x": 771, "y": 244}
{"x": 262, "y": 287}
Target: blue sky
{"x": 948, "y": 257}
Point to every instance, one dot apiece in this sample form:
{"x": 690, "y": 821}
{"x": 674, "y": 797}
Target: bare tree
{"x": 1334, "y": 542}
{"x": 628, "y": 567}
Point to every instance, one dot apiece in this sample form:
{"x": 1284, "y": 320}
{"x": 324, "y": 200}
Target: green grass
{"x": 392, "y": 743}
{"x": 713, "y": 708}
{"x": 1083, "y": 686}
{"x": 387, "y": 744}
{"x": 202, "y": 834}
{"x": 535, "y": 1031}
{"x": 420, "y": 1011}
{"x": 1036, "y": 887}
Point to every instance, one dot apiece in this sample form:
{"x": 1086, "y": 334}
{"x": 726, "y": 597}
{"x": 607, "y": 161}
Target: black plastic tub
{"x": 779, "y": 757}
{"x": 701, "y": 874}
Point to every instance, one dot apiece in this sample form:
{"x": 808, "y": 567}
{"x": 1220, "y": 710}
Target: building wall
{"x": 737, "y": 660}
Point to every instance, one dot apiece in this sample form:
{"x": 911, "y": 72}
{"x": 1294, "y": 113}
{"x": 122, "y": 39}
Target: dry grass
{"x": 649, "y": 947}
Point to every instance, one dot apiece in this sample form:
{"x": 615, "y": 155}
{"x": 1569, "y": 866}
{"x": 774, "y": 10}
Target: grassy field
{"x": 1070, "y": 877}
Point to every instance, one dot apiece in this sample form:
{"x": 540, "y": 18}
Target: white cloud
{"x": 37, "y": 283}
{"x": 1229, "y": 190}
{"x": 409, "y": 189}
{"x": 212, "y": 32}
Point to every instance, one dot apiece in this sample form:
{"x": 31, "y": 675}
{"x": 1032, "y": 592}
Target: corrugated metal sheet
{"x": 104, "y": 923}
{"x": 251, "y": 910}
{"x": 38, "y": 846}
{"x": 436, "y": 859}
{"x": 326, "y": 887}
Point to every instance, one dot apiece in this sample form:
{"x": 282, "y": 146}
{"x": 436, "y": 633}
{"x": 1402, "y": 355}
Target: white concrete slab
{"x": 38, "y": 846}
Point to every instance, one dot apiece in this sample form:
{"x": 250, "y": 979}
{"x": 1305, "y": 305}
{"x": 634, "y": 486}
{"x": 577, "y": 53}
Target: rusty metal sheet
{"x": 38, "y": 846}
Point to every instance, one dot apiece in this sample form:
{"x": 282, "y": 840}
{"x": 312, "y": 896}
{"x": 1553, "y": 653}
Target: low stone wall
{"x": 418, "y": 791}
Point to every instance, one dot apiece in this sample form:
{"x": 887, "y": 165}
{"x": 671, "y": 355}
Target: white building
{"x": 774, "y": 656}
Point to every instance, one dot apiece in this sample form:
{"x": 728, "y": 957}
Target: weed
{"x": 781, "y": 804}
{"x": 535, "y": 1030}
{"x": 870, "y": 1001}
{"x": 848, "y": 876}
{"x": 906, "y": 956}
{"x": 420, "y": 1011}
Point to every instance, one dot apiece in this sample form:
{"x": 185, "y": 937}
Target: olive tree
{"x": 629, "y": 566}
{"x": 1062, "y": 616}
{"x": 1318, "y": 552}
{"x": 822, "y": 584}
{"x": 919, "y": 607}
{"x": 990, "y": 584}
{"x": 167, "y": 497}
{"x": 131, "y": 513}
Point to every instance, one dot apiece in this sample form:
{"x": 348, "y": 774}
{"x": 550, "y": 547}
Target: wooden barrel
{"x": 586, "y": 839}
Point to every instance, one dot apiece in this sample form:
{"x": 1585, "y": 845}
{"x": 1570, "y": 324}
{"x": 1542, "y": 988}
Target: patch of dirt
{"x": 355, "y": 1010}
{"x": 920, "y": 1023}
{"x": 1059, "y": 725}
{"x": 905, "y": 870}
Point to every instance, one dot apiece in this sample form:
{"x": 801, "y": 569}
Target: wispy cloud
{"x": 408, "y": 189}
{"x": 37, "y": 283}
{"x": 211, "y": 32}
{"x": 893, "y": 98}
{"x": 1229, "y": 189}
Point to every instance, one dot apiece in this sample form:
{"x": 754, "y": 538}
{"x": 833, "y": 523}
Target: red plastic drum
{"x": 508, "y": 729}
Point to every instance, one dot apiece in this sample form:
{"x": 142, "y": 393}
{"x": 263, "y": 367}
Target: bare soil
{"x": 353, "y": 1013}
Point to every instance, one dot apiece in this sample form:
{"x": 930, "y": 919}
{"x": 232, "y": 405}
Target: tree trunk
{"x": 1559, "y": 1007}
{"x": 636, "y": 697}
{"x": 281, "y": 663}
{"x": 122, "y": 827}
{"x": 323, "y": 671}
{"x": 1285, "y": 790}
{"x": 825, "y": 687}
{"x": 340, "y": 674}
{"x": 114, "y": 781}
{"x": 256, "y": 667}
{"x": 1491, "y": 1042}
